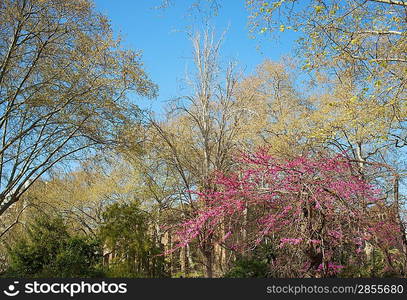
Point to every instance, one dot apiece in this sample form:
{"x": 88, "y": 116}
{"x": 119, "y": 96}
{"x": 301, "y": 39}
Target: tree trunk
{"x": 182, "y": 260}
{"x": 209, "y": 263}
{"x": 189, "y": 257}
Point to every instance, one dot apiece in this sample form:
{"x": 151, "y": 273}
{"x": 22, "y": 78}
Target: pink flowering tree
{"x": 317, "y": 214}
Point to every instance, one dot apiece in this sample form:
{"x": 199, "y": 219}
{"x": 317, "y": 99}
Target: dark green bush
{"x": 50, "y": 251}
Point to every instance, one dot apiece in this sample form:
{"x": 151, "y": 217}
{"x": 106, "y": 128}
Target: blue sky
{"x": 160, "y": 34}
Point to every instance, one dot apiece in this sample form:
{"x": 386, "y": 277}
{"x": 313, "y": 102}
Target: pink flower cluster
{"x": 321, "y": 199}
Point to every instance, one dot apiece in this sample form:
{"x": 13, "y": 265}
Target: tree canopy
{"x": 294, "y": 167}
{"x": 64, "y": 79}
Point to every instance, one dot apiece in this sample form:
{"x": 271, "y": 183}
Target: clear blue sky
{"x": 160, "y": 34}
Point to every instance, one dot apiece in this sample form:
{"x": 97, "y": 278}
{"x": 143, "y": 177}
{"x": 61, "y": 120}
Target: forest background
{"x": 203, "y": 138}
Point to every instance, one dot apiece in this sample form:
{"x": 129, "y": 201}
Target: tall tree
{"x": 359, "y": 45}
{"x": 64, "y": 81}
{"x": 356, "y": 52}
{"x": 204, "y": 128}
{"x": 283, "y": 122}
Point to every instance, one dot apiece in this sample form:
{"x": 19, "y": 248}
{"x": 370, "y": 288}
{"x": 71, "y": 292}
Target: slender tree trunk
{"x": 182, "y": 260}
{"x": 209, "y": 264}
{"x": 207, "y": 250}
{"x": 244, "y": 226}
{"x": 189, "y": 259}
{"x": 171, "y": 264}
{"x": 396, "y": 196}
{"x": 359, "y": 156}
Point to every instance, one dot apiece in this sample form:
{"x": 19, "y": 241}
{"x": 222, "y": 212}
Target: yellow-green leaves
{"x": 66, "y": 78}
{"x": 318, "y": 8}
{"x": 364, "y": 43}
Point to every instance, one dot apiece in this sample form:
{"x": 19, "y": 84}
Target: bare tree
{"x": 203, "y": 130}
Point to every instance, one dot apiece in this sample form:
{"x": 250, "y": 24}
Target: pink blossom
{"x": 290, "y": 241}
{"x": 317, "y": 198}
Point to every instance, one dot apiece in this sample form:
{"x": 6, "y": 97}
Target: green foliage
{"x": 50, "y": 251}
{"x": 67, "y": 90}
{"x": 374, "y": 267}
{"x": 194, "y": 274}
{"x": 247, "y": 268}
{"x": 257, "y": 265}
{"x": 80, "y": 257}
{"x": 125, "y": 233}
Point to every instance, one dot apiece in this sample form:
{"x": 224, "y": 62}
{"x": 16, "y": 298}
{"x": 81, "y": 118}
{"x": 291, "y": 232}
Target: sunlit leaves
{"x": 64, "y": 86}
